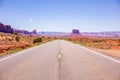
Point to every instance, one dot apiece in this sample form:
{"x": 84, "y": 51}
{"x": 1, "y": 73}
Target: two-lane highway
{"x": 58, "y": 60}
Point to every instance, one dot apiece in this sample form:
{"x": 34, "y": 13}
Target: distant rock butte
{"x": 34, "y": 31}
{"x": 9, "y": 29}
{"x": 6, "y": 28}
{"x": 75, "y": 31}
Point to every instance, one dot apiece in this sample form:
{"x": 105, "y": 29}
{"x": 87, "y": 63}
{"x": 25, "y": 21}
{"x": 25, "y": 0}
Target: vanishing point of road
{"x": 58, "y": 60}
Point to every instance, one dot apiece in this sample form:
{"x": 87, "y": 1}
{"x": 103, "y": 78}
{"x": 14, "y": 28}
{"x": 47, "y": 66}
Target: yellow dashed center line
{"x": 59, "y": 56}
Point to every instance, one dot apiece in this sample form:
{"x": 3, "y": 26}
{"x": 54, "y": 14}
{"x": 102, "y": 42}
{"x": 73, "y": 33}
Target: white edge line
{"x": 10, "y": 56}
{"x": 98, "y": 53}
{"x": 17, "y": 53}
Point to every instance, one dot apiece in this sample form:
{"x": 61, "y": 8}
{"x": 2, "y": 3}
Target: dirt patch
{"x": 112, "y": 53}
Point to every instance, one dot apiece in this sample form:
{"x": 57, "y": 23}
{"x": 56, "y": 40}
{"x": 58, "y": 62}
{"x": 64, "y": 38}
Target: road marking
{"x": 59, "y": 66}
{"x": 17, "y": 53}
{"x": 10, "y": 56}
{"x": 59, "y": 61}
{"x": 59, "y": 56}
{"x": 98, "y": 53}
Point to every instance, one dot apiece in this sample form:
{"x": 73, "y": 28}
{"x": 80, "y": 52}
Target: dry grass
{"x": 112, "y": 53}
{"x": 10, "y": 43}
{"x": 97, "y": 42}
{"x": 106, "y": 45}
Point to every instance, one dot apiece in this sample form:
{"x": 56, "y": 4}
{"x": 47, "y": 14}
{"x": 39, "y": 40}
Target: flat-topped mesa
{"x": 6, "y": 28}
{"x": 75, "y": 31}
{"x": 9, "y": 29}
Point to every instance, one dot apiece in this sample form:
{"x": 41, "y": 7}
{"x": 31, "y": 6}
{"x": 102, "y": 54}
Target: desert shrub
{"x": 118, "y": 40}
{"x": 36, "y": 40}
{"x": 101, "y": 47}
{"x": 96, "y": 41}
{"x": 48, "y": 37}
{"x": 17, "y": 38}
{"x": 43, "y": 37}
{"x": 15, "y": 33}
{"x": 69, "y": 39}
{"x": 80, "y": 40}
{"x": 118, "y": 44}
{"x": 55, "y": 38}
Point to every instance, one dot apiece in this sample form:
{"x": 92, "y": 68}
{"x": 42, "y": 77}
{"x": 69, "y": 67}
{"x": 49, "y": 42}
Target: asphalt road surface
{"x": 58, "y": 60}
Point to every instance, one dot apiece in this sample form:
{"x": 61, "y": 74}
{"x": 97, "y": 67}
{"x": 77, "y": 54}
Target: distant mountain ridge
{"x": 104, "y": 33}
{"x": 50, "y": 32}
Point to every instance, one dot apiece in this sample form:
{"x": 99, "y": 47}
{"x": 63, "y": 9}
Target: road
{"x": 58, "y": 60}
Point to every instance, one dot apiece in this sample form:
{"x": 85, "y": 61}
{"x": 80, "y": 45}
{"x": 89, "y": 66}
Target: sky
{"x": 61, "y": 15}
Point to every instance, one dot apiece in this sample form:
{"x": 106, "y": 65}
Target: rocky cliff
{"x": 9, "y": 29}
{"x": 6, "y": 28}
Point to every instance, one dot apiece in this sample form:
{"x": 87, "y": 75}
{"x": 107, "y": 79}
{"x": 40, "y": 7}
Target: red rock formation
{"x": 75, "y": 31}
{"x": 34, "y": 31}
{"x": 6, "y": 28}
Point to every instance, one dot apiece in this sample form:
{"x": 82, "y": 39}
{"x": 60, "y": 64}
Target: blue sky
{"x": 61, "y": 15}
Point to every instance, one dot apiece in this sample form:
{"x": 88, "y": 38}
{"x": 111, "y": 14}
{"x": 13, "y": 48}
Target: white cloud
{"x": 30, "y": 20}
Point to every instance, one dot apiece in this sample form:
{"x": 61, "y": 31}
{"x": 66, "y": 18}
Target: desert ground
{"x": 106, "y": 45}
{"x": 10, "y": 43}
